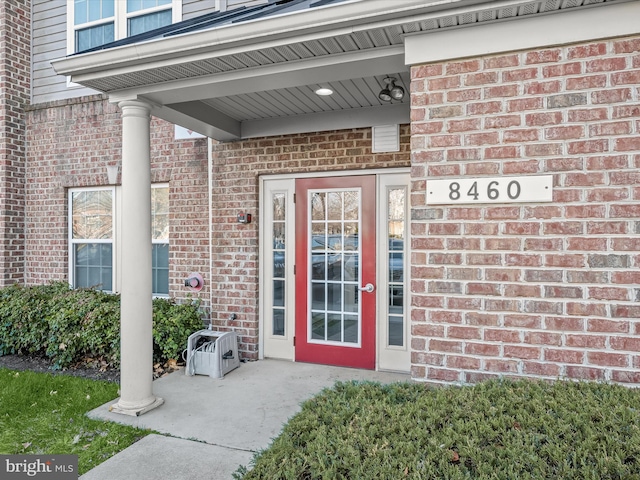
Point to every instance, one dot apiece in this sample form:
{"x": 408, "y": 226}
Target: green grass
{"x": 494, "y": 430}
{"x": 41, "y": 413}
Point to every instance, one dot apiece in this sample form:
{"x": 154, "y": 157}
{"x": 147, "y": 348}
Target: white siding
{"x": 50, "y": 42}
{"x": 194, "y": 8}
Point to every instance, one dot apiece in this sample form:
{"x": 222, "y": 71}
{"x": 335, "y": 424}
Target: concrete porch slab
{"x": 240, "y": 413}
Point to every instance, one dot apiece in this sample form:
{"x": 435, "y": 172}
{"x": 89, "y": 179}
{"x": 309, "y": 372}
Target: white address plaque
{"x": 535, "y": 188}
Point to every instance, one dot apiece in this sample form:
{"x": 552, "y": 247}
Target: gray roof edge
{"x": 286, "y": 28}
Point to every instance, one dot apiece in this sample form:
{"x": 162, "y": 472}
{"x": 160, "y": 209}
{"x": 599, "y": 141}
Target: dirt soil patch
{"x": 90, "y": 368}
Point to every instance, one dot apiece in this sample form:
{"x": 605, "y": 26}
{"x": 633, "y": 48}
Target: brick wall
{"x": 237, "y": 167}
{"x": 15, "y": 49}
{"x": 70, "y": 145}
{"x": 539, "y": 290}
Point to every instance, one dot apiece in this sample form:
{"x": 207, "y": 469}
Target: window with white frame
{"x": 93, "y": 238}
{"x": 92, "y": 23}
{"x": 91, "y": 218}
{"x": 160, "y": 238}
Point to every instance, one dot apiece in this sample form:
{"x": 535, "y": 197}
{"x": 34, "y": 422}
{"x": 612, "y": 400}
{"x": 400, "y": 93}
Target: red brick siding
{"x": 237, "y": 167}
{"x": 15, "y": 65}
{"x": 70, "y": 144}
{"x": 529, "y": 290}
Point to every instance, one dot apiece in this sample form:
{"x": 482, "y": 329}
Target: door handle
{"x": 367, "y": 288}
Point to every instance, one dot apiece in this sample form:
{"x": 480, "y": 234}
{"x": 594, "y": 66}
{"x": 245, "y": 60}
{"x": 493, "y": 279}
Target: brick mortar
{"x": 14, "y": 95}
{"x": 500, "y": 115}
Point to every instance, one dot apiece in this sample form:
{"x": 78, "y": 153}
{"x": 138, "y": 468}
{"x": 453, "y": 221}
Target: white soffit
{"x": 566, "y": 27}
{"x": 385, "y": 138}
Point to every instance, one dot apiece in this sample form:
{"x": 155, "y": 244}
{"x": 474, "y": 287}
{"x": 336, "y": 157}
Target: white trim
{"x": 336, "y": 173}
{"x": 120, "y": 20}
{"x": 270, "y": 345}
{"x": 282, "y": 347}
{"x": 112, "y": 241}
{"x": 116, "y": 238}
{"x": 561, "y": 28}
{"x": 392, "y": 358}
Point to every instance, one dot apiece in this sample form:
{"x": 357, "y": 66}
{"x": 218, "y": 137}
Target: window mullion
{"x": 121, "y": 19}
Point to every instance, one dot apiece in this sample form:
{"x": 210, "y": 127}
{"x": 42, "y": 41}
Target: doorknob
{"x": 367, "y": 288}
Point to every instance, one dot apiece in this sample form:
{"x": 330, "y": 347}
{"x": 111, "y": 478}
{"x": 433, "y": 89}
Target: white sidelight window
{"x": 93, "y": 238}
{"x": 92, "y": 23}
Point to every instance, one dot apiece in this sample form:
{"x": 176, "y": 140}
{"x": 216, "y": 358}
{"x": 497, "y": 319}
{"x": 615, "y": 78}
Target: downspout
{"x": 209, "y": 200}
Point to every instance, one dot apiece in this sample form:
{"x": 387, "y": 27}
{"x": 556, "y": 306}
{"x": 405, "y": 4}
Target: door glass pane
{"x": 350, "y": 329}
{"x": 396, "y": 226}
{"x": 278, "y": 293}
{"x": 334, "y": 253}
{"x": 318, "y": 206}
{"x": 334, "y": 327}
{"x": 334, "y": 296}
{"x": 318, "y": 329}
{"x": 278, "y": 242}
{"x": 278, "y": 321}
{"x": 318, "y": 266}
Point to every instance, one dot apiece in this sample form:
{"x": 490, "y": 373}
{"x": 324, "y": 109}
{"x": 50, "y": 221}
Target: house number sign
{"x": 535, "y": 189}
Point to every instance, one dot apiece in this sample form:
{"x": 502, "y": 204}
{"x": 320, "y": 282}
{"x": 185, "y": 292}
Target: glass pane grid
{"x": 93, "y": 266}
{"x": 150, "y": 21}
{"x": 160, "y": 269}
{"x": 334, "y": 273}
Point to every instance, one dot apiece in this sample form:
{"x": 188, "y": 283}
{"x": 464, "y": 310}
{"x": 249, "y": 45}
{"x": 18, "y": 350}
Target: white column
{"x": 136, "y": 310}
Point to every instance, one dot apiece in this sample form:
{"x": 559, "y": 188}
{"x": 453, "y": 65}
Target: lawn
{"x": 41, "y": 413}
{"x": 494, "y": 430}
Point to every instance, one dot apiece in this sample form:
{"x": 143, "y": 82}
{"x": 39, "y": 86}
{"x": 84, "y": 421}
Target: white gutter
{"x": 260, "y": 33}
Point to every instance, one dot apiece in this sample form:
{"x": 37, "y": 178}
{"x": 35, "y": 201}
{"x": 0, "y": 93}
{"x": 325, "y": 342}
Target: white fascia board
{"x": 559, "y": 28}
{"x": 266, "y": 32}
{"x": 327, "y": 121}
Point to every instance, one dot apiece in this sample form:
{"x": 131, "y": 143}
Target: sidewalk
{"x": 216, "y": 425}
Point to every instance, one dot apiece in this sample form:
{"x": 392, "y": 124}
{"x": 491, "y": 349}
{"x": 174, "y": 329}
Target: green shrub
{"x": 172, "y": 325}
{"x": 493, "y": 430}
{"x": 69, "y": 325}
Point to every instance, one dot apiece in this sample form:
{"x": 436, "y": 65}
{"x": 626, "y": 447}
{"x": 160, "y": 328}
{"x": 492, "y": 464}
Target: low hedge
{"x": 69, "y": 325}
{"x": 500, "y": 429}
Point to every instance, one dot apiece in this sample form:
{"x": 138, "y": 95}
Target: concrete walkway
{"x": 211, "y": 426}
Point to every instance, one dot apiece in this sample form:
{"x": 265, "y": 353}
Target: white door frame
{"x": 282, "y": 186}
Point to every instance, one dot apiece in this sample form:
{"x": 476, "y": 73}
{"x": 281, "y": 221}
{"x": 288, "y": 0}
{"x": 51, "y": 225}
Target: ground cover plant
{"x": 494, "y": 430}
{"x": 41, "y": 413}
{"x": 71, "y": 325}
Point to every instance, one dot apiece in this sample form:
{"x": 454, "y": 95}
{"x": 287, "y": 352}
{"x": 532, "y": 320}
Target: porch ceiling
{"x": 258, "y": 77}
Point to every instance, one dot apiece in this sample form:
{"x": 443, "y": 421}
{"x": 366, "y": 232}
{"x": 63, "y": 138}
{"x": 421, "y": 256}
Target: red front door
{"x": 336, "y": 271}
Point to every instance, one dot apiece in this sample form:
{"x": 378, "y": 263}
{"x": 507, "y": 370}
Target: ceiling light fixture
{"x": 391, "y": 91}
{"x": 324, "y": 91}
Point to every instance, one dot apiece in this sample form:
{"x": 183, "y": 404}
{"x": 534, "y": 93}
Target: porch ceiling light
{"x": 324, "y": 91}
{"x": 391, "y": 91}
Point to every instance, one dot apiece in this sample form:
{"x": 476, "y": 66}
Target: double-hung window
{"x": 92, "y": 23}
{"x": 160, "y": 239}
{"x": 93, "y": 238}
